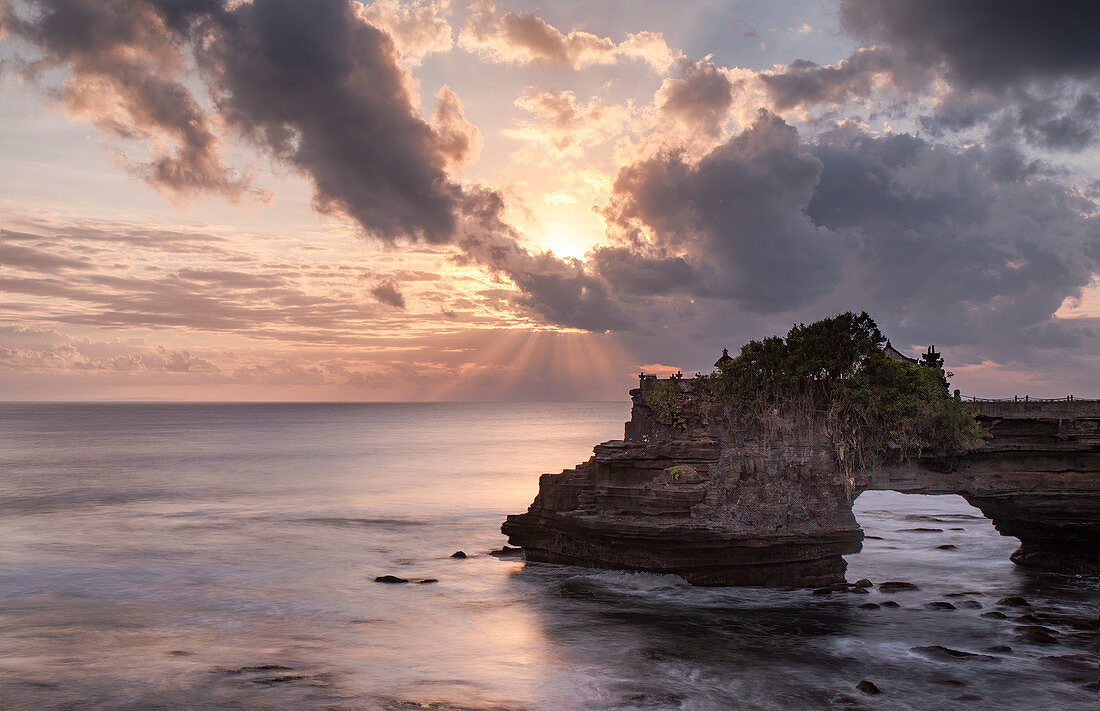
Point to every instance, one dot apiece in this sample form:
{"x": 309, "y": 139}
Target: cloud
{"x": 388, "y": 293}
{"x": 561, "y": 126}
{"x": 459, "y": 140}
{"x": 511, "y": 38}
{"x": 1014, "y": 67}
{"x": 311, "y": 83}
{"x": 699, "y": 98}
{"x": 987, "y": 44}
{"x": 418, "y": 28}
{"x": 736, "y": 217}
{"x": 127, "y": 75}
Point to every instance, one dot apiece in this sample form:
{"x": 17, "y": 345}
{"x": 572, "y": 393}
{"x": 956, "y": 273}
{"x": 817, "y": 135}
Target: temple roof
{"x": 894, "y": 353}
{"x": 724, "y": 359}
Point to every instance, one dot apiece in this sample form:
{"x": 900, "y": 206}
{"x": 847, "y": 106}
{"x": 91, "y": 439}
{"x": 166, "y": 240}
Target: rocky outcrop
{"x": 710, "y": 507}
{"x": 1037, "y": 477}
{"x": 719, "y": 507}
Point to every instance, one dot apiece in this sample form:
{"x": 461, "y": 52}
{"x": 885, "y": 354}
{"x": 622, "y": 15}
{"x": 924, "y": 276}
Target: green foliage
{"x": 823, "y": 351}
{"x": 665, "y": 403}
{"x": 830, "y": 380}
{"x": 900, "y": 409}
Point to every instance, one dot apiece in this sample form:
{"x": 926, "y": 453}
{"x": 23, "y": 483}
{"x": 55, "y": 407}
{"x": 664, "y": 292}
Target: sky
{"x": 446, "y": 200}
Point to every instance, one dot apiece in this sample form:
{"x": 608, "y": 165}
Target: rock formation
{"x": 1037, "y": 476}
{"x": 718, "y": 506}
{"x": 711, "y": 506}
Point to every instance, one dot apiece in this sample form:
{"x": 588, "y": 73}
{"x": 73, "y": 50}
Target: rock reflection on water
{"x": 223, "y": 557}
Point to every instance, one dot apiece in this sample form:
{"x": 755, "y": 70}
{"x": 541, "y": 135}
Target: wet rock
{"x": 507, "y": 552}
{"x": 257, "y": 668}
{"x": 426, "y": 581}
{"x": 180, "y": 653}
{"x": 956, "y": 529}
{"x": 896, "y": 586}
{"x": 920, "y": 530}
{"x": 272, "y": 680}
{"x": 869, "y": 606}
{"x": 390, "y": 579}
{"x": 999, "y": 649}
{"x": 1074, "y": 662}
{"x": 890, "y": 603}
{"x": 872, "y": 538}
{"x": 970, "y": 605}
{"x": 1013, "y": 601}
{"x": 1036, "y": 634}
{"x": 939, "y": 605}
{"x": 1093, "y": 686}
{"x": 863, "y": 583}
{"x": 868, "y": 687}
{"x": 962, "y": 594}
{"x": 947, "y": 547}
{"x": 994, "y": 615}
{"x": 1028, "y": 619}
{"x": 940, "y": 653}
{"x": 967, "y": 697}
{"x": 950, "y": 682}
{"x": 460, "y": 555}
{"x": 1081, "y": 624}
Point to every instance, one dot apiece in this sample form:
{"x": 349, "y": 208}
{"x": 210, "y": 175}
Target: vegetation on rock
{"x": 665, "y": 403}
{"x": 830, "y": 381}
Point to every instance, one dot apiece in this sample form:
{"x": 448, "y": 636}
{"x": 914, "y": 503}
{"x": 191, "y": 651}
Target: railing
{"x": 1028, "y": 398}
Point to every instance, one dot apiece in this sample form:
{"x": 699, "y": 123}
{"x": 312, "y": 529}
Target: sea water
{"x": 223, "y": 556}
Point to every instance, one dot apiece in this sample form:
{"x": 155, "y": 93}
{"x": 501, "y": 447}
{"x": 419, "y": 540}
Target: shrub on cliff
{"x": 666, "y": 404}
{"x": 831, "y": 381}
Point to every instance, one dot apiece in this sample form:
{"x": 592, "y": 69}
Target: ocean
{"x": 223, "y": 556}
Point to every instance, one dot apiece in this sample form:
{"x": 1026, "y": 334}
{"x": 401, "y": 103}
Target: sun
{"x": 566, "y": 241}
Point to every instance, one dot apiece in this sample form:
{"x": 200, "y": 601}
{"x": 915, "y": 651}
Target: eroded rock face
{"x": 709, "y": 507}
{"x": 722, "y": 508}
{"x": 1037, "y": 477}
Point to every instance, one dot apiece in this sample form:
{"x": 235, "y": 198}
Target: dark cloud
{"x": 127, "y": 76}
{"x": 985, "y": 44}
{"x": 311, "y": 82}
{"x": 1028, "y": 67}
{"x": 388, "y": 293}
{"x": 700, "y": 97}
{"x": 971, "y": 247}
{"x": 948, "y": 247}
{"x": 736, "y": 217}
{"x": 805, "y": 83}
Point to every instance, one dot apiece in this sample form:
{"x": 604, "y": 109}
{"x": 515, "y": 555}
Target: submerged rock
{"x": 1013, "y": 601}
{"x": 939, "y": 605}
{"x": 896, "y": 586}
{"x": 460, "y": 555}
{"x": 940, "y": 653}
{"x": 868, "y": 687}
{"x": 390, "y": 579}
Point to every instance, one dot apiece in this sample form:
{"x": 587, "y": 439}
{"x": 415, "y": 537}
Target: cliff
{"x": 719, "y": 506}
{"x": 1037, "y": 476}
{"x": 711, "y": 506}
